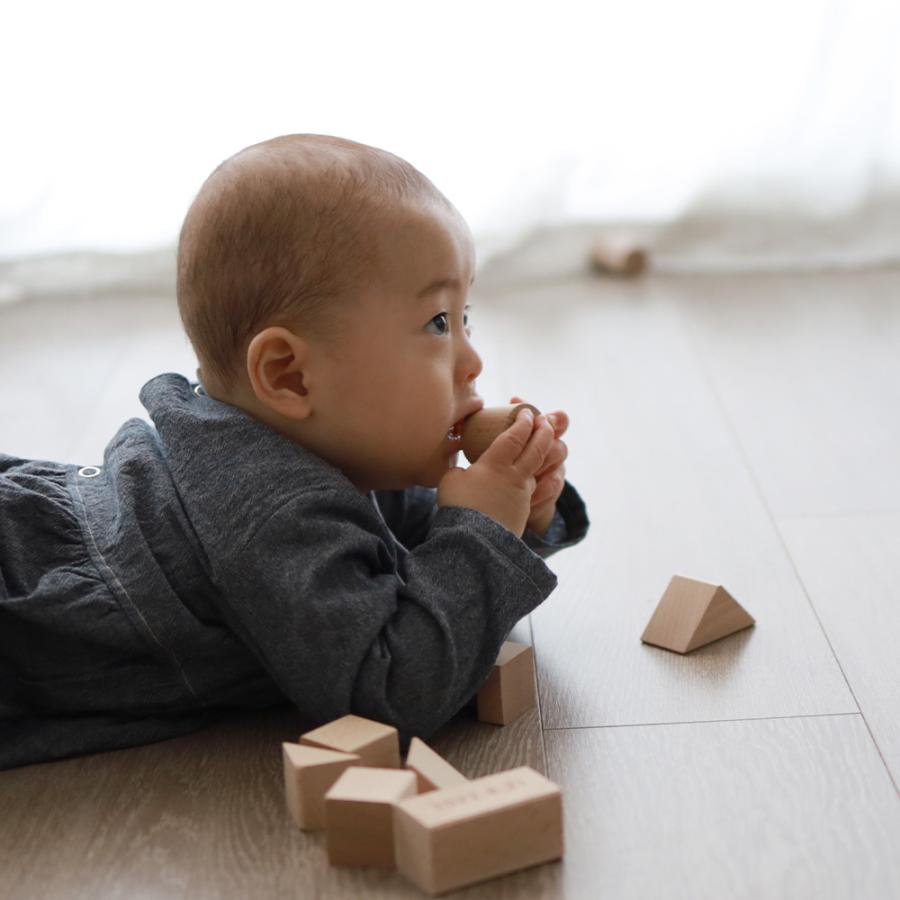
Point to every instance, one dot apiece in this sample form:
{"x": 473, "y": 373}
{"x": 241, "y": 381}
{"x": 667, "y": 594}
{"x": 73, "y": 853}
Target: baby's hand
{"x": 501, "y": 482}
{"x": 552, "y": 476}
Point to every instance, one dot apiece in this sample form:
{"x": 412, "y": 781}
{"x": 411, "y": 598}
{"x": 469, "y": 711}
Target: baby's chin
{"x": 402, "y": 475}
{"x": 400, "y": 482}
{"x": 428, "y": 478}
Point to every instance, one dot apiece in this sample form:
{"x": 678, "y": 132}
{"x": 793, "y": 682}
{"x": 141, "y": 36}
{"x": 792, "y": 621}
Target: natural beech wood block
{"x": 490, "y": 826}
{"x": 308, "y": 774}
{"x": 618, "y": 255}
{"x": 375, "y": 743}
{"x": 481, "y": 428}
{"x": 432, "y": 770}
{"x": 693, "y": 613}
{"x": 509, "y": 689}
{"x": 359, "y": 815}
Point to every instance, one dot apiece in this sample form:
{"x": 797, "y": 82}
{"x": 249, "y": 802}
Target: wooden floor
{"x": 743, "y": 430}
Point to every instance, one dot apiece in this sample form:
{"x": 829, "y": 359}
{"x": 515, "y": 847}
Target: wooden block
{"x": 618, "y": 254}
{"x": 509, "y": 689}
{"x": 308, "y": 774}
{"x": 375, "y": 743}
{"x": 480, "y": 429}
{"x": 490, "y": 826}
{"x": 432, "y": 770}
{"x": 359, "y": 815}
{"x": 693, "y": 613}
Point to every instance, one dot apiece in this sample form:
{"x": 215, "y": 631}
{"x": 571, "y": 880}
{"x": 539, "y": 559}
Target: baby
{"x": 293, "y": 525}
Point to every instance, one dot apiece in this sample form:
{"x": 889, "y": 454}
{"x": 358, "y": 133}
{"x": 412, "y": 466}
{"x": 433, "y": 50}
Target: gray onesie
{"x": 211, "y": 563}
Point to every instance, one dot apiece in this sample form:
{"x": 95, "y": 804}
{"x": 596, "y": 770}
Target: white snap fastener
{"x": 198, "y": 390}
{"x": 89, "y": 472}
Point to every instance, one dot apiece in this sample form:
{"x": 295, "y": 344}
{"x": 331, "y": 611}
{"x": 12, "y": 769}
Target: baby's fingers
{"x": 557, "y": 454}
{"x": 549, "y": 485}
{"x": 509, "y": 445}
{"x": 560, "y": 422}
{"x": 532, "y": 458}
{"x": 559, "y": 419}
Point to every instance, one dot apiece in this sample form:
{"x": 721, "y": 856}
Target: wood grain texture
{"x": 670, "y": 446}
{"x": 808, "y": 370}
{"x": 851, "y": 568}
{"x": 204, "y": 816}
{"x": 775, "y": 808}
{"x": 668, "y": 493}
{"x": 473, "y": 832}
{"x": 692, "y": 613}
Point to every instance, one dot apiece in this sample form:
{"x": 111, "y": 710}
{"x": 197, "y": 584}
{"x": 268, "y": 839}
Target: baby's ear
{"x": 276, "y": 359}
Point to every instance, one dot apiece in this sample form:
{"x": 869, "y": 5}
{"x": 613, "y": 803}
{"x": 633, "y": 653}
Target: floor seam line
{"x": 700, "y": 362}
{"x": 537, "y": 688}
{"x": 706, "y": 721}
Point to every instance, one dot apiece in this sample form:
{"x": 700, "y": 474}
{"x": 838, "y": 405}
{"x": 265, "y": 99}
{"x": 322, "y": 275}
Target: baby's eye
{"x": 442, "y": 323}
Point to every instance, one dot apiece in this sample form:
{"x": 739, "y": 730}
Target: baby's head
{"x": 303, "y": 265}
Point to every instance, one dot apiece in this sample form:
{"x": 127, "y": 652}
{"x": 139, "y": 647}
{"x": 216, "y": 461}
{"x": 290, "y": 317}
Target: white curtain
{"x": 733, "y": 134}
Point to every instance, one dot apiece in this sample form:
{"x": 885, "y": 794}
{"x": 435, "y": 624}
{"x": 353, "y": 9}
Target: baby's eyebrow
{"x": 440, "y": 284}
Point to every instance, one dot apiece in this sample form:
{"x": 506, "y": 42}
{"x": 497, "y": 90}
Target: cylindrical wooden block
{"x": 481, "y": 428}
{"x": 618, "y": 255}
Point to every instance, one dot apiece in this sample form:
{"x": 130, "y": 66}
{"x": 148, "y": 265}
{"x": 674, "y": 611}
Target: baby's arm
{"x": 342, "y": 623}
{"x": 568, "y": 526}
{"x": 408, "y": 513}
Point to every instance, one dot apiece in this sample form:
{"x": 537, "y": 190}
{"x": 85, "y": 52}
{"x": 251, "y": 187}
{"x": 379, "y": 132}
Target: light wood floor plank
{"x": 664, "y": 450}
{"x": 776, "y": 808}
{"x": 668, "y": 493}
{"x": 204, "y": 816}
{"x": 851, "y": 568}
{"x": 808, "y": 369}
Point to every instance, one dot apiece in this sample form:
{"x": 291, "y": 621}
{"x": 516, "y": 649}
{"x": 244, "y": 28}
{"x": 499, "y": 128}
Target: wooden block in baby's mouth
{"x": 481, "y": 428}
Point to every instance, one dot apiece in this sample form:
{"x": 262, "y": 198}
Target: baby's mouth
{"x": 455, "y": 433}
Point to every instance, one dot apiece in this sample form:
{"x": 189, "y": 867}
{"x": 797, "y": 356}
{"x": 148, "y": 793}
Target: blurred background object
{"x": 737, "y": 136}
{"x": 618, "y": 254}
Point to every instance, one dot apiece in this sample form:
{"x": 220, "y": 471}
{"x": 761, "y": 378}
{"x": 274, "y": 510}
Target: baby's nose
{"x": 472, "y": 365}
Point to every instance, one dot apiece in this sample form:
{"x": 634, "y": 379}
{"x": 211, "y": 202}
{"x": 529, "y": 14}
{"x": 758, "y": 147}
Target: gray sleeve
{"x": 569, "y": 526}
{"x": 408, "y": 513}
{"x": 343, "y": 624}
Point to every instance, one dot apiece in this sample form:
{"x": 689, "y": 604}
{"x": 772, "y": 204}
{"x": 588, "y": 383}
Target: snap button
{"x": 89, "y": 471}
{"x": 198, "y": 390}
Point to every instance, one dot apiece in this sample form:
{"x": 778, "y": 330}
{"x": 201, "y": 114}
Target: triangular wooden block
{"x": 433, "y": 772}
{"x": 693, "y": 613}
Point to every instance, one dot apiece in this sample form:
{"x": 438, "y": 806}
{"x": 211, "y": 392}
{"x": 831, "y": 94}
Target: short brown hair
{"x": 276, "y": 234}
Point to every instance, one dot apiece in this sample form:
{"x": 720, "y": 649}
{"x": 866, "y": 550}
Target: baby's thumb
{"x": 507, "y": 447}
